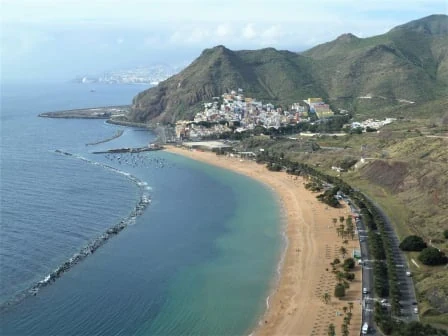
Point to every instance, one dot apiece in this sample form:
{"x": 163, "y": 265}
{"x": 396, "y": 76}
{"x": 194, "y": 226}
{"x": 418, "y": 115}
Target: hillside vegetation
{"x": 395, "y": 74}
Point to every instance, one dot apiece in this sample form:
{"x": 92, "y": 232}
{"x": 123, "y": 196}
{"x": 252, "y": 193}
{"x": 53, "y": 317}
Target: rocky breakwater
{"x": 117, "y": 134}
{"x": 94, "y": 244}
{"x": 150, "y": 148}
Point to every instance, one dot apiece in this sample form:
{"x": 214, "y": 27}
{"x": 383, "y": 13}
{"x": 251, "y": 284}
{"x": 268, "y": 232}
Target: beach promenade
{"x": 296, "y": 305}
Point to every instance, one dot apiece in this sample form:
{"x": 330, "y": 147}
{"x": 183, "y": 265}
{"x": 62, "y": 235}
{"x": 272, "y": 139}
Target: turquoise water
{"x": 225, "y": 290}
{"x": 200, "y": 260}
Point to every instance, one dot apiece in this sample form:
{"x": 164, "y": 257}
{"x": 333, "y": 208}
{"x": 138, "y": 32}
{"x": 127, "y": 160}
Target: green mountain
{"x": 389, "y": 72}
{"x": 267, "y": 74}
{"x": 408, "y": 63}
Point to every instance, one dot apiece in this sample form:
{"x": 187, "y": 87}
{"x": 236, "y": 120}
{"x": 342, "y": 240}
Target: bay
{"x": 200, "y": 260}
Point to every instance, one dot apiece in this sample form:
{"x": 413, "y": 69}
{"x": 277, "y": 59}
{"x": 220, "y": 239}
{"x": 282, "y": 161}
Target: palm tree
{"x": 339, "y": 276}
{"x": 344, "y": 309}
{"x": 350, "y": 227}
{"x": 344, "y": 329}
{"x": 338, "y": 230}
{"x": 343, "y": 251}
{"x": 341, "y": 228}
{"x": 342, "y": 219}
{"x": 331, "y": 330}
{"x": 326, "y": 298}
{"x": 350, "y": 306}
{"x": 349, "y": 317}
{"x": 335, "y": 220}
{"x": 349, "y": 220}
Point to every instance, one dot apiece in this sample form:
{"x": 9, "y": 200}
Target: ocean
{"x": 199, "y": 259}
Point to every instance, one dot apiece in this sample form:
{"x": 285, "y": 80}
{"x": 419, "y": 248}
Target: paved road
{"x": 406, "y": 285}
{"x": 367, "y": 273}
{"x": 408, "y": 298}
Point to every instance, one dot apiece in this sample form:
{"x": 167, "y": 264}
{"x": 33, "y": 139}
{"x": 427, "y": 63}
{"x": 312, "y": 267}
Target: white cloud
{"x": 156, "y": 28}
{"x": 187, "y": 35}
{"x": 249, "y": 32}
{"x": 196, "y": 35}
{"x": 223, "y": 30}
{"x": 271, "y": 35}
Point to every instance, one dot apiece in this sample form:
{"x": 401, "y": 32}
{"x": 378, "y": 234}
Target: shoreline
{"x": 294, "y": 302}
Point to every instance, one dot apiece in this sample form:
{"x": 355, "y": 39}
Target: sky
{"x": 66, "y": 38}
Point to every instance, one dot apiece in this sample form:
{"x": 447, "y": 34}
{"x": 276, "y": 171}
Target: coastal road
{"x": 367, "y": 271}
{"x": 407, "y": 292}
{"x": 408, "y": 300}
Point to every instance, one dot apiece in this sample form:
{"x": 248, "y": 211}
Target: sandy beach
{"x": 296, "y": 306}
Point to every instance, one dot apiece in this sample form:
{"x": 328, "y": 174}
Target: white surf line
{"x": 415, "y": 263}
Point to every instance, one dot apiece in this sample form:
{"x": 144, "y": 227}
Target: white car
{"x": 415, "y": 310}
{"x": 383, "y": 301}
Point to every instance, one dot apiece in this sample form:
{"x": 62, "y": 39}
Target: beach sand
{"x": 296, "y": 306}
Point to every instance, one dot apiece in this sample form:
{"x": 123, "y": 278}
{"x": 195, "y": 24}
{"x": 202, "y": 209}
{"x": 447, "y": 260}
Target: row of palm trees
{"x": 347, "y": 230}
{"x": 331, "y": 331}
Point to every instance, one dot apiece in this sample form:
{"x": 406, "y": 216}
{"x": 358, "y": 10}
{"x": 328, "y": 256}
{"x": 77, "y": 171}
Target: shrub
{"x": 339, "y": 290}
{"x": 432, "y": 256}
{"x": 349, "y": 263}
{"x": 413, "y": 243}
{"x": 328, "y": 199}
{"x": 274, "y": 167}
{"x": 349, "y": 276}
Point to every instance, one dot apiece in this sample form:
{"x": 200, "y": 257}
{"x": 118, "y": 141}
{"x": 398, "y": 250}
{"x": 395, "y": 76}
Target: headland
{"x": 296, "y": 305}
{"x": 105, "y": 112}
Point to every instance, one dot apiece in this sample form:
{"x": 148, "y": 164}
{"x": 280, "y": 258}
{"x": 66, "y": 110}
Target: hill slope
{"x": 267, "y": 74}
{"x": 407, "y": 64}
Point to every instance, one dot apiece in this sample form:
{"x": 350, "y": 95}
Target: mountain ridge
{"x": 408, "y": 63}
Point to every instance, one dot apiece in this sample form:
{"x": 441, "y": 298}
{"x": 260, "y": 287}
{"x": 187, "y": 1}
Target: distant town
{"x": 151, "y": 75}
{"x": 235, "y": 112}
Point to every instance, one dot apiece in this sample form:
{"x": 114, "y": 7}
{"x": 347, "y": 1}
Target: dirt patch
{"x": 390, "y": 175}
{"x": 438, "y": 298}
